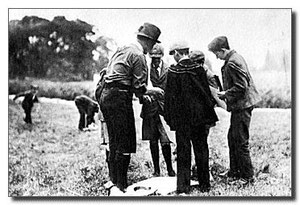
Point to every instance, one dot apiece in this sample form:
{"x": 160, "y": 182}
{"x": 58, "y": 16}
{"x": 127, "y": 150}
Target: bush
{"x": 271, "y": 98}
{"x": 50, "y": 89}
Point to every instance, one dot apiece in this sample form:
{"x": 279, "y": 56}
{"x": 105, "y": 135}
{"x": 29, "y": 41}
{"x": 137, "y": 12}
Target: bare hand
{"x": 221, "y": 95}
{"x": 155, "y": 91}
{"x": 147, "y": 99}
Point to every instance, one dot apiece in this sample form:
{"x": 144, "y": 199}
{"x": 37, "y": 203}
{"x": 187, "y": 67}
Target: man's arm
{"x": 240, "y": 83}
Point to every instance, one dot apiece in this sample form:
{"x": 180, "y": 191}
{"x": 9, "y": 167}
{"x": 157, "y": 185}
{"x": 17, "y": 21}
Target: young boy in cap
{"x": 30, "y": 97}
{"x": 189, "y": 110}
{"x": 126, "y": 74}
{"x": 152, "y": 127}
{"x": 240, "y": 95}
{"x": 87, "y": 109}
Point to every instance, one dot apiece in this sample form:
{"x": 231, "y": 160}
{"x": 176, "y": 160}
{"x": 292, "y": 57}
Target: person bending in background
{"x": 30, "y": 97}
{"x": 189, "y": 110}
{"x": 152, "y": 127}
{"x": 240, "y": 95}
{"x": 87, "y": 109}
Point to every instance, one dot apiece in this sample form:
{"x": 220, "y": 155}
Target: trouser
{"x": 238, "y": 142}
{"x": 198, "y": 136}
{"x": 116, "y": 106}
{"x": 27, "y": 118}
{"x": 166, "y": 151}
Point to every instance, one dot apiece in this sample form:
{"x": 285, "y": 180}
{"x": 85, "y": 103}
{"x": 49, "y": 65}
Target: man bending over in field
{"x": 27, "y": 104}
{"x": 87, "y": 109}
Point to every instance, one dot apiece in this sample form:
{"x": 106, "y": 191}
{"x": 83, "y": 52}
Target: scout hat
{"x": 182, "y": 45}
{"x": 157, "y": 51}
{"x": 218, "y": 43}
{"x": 150, "y": 31}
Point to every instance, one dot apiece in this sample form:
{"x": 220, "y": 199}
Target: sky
{"x": 251, "y": 32}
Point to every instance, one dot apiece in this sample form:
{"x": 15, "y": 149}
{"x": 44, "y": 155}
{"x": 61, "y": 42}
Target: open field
{"x": 52, "y": 158}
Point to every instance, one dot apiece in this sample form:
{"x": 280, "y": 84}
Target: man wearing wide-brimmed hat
{"x": 152, "y": 127}
{"x": 189, "y": 111}
{"x": 240, "y": 95}
{"x": 126, "y": 74}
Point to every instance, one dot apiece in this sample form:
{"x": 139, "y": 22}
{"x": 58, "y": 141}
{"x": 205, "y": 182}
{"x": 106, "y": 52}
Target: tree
{"x": 57, "y": 49}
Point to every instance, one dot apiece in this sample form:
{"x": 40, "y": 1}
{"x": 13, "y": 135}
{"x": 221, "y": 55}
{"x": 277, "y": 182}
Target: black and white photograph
{"x": 151, "y": 103}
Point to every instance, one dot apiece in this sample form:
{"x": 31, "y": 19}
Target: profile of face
{"x": 220, "y": 54}
{"x": 177, "y": 56}
{"x": 155, "y": 61}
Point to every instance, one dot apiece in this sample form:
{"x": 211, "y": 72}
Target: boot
{"x": 112, "y": 171}
{"x": 122, "y": 163}
{"x": 166, "y": 150}
{"x": 155, "y": 157}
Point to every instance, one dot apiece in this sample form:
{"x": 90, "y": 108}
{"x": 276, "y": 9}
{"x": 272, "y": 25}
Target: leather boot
{"x": 155, "y": 157}
{"x": 112, "y": 171}
{"x": 166, "y": 150}
{"x": 122, "y": 162}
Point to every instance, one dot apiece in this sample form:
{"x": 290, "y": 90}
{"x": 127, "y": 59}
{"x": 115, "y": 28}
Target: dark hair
{"x": 218, "y": 43}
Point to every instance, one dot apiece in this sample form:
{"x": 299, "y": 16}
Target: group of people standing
{"x": 181, "y": 94}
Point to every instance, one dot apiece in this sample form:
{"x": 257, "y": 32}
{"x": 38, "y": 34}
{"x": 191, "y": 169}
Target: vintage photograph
{"x": 150, "y": 103}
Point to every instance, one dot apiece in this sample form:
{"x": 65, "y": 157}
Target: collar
{"x": 159, "y": 66}
{"x": 229, "y": 55}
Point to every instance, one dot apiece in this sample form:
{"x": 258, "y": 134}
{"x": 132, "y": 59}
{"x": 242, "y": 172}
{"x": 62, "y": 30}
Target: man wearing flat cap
{"x": 152, "y": 127}
{"x": 189, "y": 111}
{"x": 126, "y": 74}
{"x": 240, "y": 95}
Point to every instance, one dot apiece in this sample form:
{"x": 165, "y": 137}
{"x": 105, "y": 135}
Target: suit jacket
{"x": 240, "y": 91}
{"x": 188, "y": 99}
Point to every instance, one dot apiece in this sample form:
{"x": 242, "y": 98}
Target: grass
{"x": 52, "y": 158}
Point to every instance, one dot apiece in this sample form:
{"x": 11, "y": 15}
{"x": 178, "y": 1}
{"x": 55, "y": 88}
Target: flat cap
{"x": 196, "y": 55}
{"x": 157, "y": 51}
{"x": 218, "y": 43}
{"x": 182, "y": 45}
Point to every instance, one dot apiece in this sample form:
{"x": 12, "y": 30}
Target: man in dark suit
{"x": 87, "y": 109}
{"x": 189, "y": 110}
{"x": 30, "y": 97}
{"x": 152, "y": 127}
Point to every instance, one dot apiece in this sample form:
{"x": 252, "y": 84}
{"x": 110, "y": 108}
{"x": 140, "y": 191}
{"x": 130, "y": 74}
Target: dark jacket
{"x": 157, "y": 105}
{"x": 188, "y": 99}
{"x": 151, "y": 111}
{"x": 29, "y": 99}
{"x": 240, "y": 90}
{"x": 86, "y": 105}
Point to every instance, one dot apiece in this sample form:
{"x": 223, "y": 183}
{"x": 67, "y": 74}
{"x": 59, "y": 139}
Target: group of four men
{"x": 182, "y": 95}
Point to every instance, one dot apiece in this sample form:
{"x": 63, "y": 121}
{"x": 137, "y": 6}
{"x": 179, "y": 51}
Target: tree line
{"x": 57, "y": 49}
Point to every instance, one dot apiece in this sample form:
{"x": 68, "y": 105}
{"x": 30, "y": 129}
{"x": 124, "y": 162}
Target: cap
{"x": 178, "y": 46}
{"x": 157, "y": 51}
{"x": 218, "y": 43}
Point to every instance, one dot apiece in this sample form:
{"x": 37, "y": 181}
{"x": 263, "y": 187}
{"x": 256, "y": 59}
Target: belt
{"x": 117, "y": 85}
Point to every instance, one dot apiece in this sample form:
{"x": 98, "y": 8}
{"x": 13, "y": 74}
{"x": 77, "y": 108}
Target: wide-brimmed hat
{"x": 218, "y": 43}
{"x": 157, "y": 51}
{"x": 182, "y": 45}
{"x": 150, "y": 31}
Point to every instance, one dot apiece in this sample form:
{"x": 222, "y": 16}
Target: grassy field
{"x": 52, "y": 158}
